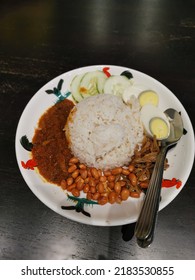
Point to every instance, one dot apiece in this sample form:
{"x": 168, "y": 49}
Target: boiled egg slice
{"x": 130, "y": 91}
{"x": 155, "y": 122}
{"x": 148, "y": 97}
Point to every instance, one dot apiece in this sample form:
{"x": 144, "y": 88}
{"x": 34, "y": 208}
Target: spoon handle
{"x": 146, "y": 222}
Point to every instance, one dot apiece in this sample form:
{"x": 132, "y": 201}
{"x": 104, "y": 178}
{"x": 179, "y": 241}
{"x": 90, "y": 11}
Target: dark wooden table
{"x": 39, "y": 40}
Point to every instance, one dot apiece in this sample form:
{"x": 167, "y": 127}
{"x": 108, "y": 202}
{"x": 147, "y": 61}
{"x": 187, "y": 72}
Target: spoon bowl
{"x": 145, "y": 226}
{"x": 176, "y": 126}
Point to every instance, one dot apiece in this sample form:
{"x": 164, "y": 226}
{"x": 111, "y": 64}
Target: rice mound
{"x": 103, "y": 132}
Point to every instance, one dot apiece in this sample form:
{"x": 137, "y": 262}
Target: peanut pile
{"x": 110, "y": 186}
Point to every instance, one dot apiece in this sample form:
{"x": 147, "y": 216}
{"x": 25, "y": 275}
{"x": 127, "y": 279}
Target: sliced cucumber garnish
{"x": 92, "y": 83}
{"x": 75, "y": 86}
{"x": 88, "y": 89}
{"x": 116, "y": 85}
{"x": 101, "y": 79}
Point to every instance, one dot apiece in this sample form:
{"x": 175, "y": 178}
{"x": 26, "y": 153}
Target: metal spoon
{"x": 145, "y": 226}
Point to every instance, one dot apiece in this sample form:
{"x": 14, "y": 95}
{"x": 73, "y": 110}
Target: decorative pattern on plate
{"x": 57, "y": 91}
{"x": 26, "y": 144}
{"x": 80, "y": 203}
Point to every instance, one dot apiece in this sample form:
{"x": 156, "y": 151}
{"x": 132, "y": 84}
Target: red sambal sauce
{"x": 50, "y": 148}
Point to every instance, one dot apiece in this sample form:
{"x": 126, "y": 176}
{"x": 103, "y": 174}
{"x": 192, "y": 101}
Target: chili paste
{"x": 50, "y": 148}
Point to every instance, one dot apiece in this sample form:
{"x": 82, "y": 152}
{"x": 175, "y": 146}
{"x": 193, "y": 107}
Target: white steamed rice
{"x": 103, "y": 131}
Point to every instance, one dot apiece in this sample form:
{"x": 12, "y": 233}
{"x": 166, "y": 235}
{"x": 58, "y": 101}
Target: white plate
{"x": 180, "y": 158}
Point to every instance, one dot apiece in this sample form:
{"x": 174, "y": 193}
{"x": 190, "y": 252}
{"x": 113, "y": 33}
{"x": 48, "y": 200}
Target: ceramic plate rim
{"x": 77, "y": 216}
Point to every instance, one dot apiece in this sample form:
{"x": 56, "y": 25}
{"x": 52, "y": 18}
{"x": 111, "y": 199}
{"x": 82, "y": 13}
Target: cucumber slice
{"x": 101, "y": 79}
{"x": 116, "y": 85}
{"x": 75, "y": 86}
{"x": 92, "y": 83}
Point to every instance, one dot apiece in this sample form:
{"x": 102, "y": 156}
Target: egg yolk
{"x": 159, "y": 128}
{"x": 148, "y": 97}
